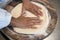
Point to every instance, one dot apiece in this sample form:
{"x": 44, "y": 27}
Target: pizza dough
{"x": 41, "y": 28}
{"x": 16, "y": 12}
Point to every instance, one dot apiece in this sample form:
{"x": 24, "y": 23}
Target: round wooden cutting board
{"x": 19, "y": 36}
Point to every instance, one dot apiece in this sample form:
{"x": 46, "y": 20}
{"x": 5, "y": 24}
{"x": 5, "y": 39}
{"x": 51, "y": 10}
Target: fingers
{"x": 37, "y": 10}
{"x": 46, "y": 3}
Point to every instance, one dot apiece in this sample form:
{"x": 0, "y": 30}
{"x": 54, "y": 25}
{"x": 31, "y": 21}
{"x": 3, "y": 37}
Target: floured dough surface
{"x": 16, "y": 12}
{"x": 41, "y": 28}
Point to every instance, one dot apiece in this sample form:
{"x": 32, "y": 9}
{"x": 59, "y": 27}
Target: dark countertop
{"x": 1, "y": 37}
